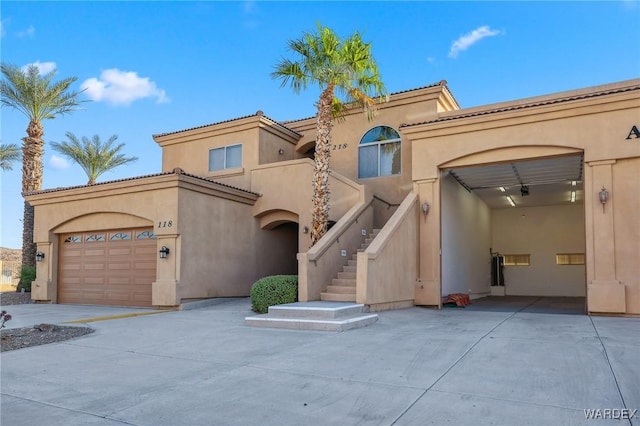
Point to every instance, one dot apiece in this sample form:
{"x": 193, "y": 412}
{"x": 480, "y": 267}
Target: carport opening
{"x": 515, "y": 230}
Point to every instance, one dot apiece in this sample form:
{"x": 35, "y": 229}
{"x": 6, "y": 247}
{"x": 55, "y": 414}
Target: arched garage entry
{"x": 514, "y": 227}
{"x": 106, "y": 259}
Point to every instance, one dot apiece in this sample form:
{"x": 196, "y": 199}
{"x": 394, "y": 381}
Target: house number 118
{"x": 165, "y": 224}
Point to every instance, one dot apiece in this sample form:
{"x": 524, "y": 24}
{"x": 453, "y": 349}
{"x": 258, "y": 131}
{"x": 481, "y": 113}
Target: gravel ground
{"x": 14, "y": 298}
{"x": 18, "y": 338}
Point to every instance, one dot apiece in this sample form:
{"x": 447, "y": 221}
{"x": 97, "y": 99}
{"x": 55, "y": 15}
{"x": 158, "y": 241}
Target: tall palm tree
{"x": 337, "y": 67}
{"x": 93, "y": 155}
{"x": 39, "y": 98}
{"x": 8, "y": 154}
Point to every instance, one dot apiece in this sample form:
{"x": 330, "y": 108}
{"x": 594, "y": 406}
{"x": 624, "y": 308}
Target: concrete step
{"x": 351, "y": 263}
{"x": 315, "y": 310}
{"x": 338, "y": 297}
{"x": 344, "y": 282}
{"x": 347, "y": 275}
{"x": 341, "y": 289}
{"x": 327, "y": 316}
{"x": 342, "y": 324}
{"x": 350, "y": 268}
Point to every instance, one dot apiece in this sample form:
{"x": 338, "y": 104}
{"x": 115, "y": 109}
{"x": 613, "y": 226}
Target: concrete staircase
{"x": 325, "y": 316}
{"x": 343, "y": 287}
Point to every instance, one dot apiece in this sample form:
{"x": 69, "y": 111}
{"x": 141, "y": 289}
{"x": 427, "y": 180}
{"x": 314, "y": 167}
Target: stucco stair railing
{"x": 343, "y": 286}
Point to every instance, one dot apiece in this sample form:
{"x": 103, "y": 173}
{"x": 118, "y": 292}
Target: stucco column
{"x": 604, "y": 292}
{"x": 42, "y": 289}
{"x": 428, "y": 291}
{"x": 164, "y": 291}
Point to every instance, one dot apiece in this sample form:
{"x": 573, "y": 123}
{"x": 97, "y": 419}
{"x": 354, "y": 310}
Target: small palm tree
{"x": 93, "y": 155}
{"x": 8, "y": 154}
{"x": 39, "y": 98}
{"x": 344, "y": 67}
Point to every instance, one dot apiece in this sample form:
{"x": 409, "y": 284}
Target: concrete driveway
{"x": 482, "y": 365}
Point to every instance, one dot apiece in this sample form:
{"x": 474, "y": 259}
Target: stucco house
{"x": 536, "y": 196}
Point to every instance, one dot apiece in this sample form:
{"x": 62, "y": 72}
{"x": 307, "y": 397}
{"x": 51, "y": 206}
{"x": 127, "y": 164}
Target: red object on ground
{"x": 460, "y": 299}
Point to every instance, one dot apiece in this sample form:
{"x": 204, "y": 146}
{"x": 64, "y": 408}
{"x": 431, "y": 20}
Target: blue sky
{"x": 155, "y": 67}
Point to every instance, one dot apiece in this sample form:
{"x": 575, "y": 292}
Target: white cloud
{"x": 44, "y": 67}
{"x": 469, "y": 39}
{"x": 122, "y": 87}
{"x": 58, "y": 163}
{"x": 3, "y": 24}
{"x": 29, "y": 32}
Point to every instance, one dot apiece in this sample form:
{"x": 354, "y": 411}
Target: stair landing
{"x": 319, "y": 315}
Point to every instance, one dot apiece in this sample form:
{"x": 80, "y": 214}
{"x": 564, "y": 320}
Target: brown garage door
{"x": 113, "y": 267}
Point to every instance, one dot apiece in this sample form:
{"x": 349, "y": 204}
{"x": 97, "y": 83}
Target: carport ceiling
{"x": 549, "y": 181}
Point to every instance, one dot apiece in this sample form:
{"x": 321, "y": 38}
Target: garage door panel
{"x": 107, "y": 268}
{"x": 145, "y": 266}
{"x": 146, "y": 247}
{"x": 114, "y": 281}
{"x": 120, "y": 266}
{"x": 123, "y": 252}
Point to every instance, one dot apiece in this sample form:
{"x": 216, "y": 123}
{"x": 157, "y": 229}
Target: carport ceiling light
{"x": 502, "y": 189}
{"x": 510, "y": 200}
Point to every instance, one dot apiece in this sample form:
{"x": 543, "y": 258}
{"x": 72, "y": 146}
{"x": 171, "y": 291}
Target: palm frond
{"x": 8, "y": 154}
{"x": 93, "y": 155}
{"x": 37, "y": 96}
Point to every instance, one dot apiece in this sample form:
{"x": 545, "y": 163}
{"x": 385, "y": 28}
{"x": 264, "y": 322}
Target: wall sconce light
{"x": 281, "y": 151}
{"x": 39, "y": 256}
{"x": 164, "y": 252}
{"x": 524, "y": 190}
{"x": 425, "y": 208}
{"x": 305, "y": 230}
{"x": 604, "y": 197}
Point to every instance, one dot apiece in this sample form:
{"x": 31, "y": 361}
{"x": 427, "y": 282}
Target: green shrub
{"x": 27, "y": 275}
{"x": 273, "y": 290}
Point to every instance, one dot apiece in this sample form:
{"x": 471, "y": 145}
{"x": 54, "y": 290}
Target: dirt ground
{"x": 40, "y": 334}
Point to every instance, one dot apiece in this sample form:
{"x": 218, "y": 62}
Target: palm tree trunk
{"x": 32, "y": 152}
{"x": 320, "y": 203}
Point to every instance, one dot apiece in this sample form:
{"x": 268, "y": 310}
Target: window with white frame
{"x": 227, "y": 157}
{"x": 379, "y": 153}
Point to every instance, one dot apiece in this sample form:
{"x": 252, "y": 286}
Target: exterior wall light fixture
{"x": 604, "y": 197}
{"x": 425, "y": 208}
{"x": 281, "y": 151}
{"x": 305, "y": 230}
{"x": 39, "y": 256}
{"x": 164, "y": 252}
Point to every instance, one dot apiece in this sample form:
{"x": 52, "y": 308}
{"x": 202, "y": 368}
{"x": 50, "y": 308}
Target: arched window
{"x": 379, "y": 153}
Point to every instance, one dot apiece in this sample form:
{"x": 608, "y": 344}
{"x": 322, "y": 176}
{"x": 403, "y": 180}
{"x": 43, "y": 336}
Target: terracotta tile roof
{"x": 442, "y": 83}
{"x": 176, "y": 171}
{"x": 528, "y": 105}
{"x": 257, "y": 114}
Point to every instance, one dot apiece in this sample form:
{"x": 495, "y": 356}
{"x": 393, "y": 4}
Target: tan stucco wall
{"x": 388, "y": 268}
{"x": 286, "y": 187}
{"x": 466, "y": 240}
{"x": 407, "y": 107}
{"x": 541, "y": 232}
{"x": 162, "y": 202}
{"x": 260, "y": 137}
{"x": 224, "y": 251}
